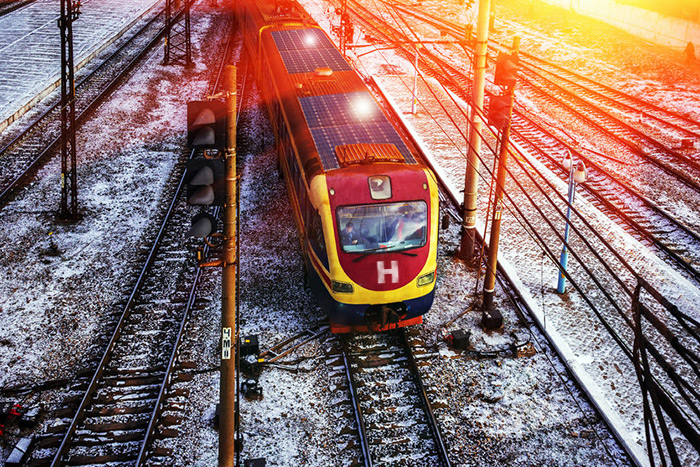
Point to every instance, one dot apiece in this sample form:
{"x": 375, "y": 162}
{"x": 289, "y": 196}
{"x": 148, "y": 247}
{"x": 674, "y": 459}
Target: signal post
{"x": 227, "y": 392}
{"x": 499, "y": 115}
{"x": 211, "y": 181}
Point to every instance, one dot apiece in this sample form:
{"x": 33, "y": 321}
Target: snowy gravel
{"x": 494, "y": 410}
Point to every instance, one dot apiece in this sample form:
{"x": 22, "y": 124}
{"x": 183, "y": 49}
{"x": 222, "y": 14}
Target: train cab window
{"x": 383, "y": 228}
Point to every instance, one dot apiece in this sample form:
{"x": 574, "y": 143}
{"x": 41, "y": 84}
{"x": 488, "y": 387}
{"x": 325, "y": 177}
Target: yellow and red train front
{"x": 374, "y": 269}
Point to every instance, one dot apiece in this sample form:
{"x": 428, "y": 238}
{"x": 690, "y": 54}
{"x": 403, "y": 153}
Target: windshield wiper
{"x": 374, "y": 250}
{"x": 366, "y": 253}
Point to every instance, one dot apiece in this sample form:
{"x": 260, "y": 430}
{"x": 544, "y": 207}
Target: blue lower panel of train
{"x": 366, "y": 317}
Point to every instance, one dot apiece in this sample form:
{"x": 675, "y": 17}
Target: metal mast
{"x": 70, "y": 10}
{"x": 178, "y": 45}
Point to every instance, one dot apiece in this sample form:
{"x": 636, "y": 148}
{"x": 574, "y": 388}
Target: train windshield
{"x": 383, "y": 228}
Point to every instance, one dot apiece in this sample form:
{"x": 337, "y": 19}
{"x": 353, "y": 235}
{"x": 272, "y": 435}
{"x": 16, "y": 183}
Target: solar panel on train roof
{"x": 340, "y": 109}
{"x": 301, "y": 39}
{"x": 305, "y": 61}
{"x": 304, "y": 50}
{"x": 350, "y": 118}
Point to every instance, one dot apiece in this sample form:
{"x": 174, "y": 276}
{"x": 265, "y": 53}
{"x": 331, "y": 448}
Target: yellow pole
{"x": 227, "y": 394}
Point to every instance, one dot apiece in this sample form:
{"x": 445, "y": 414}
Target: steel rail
{"x": 624, "y": 140}
{"x": 518, "y": 299}
{"x": 427, "y": 406}
{"x": 153, "y": 421}
{"x": 43, "y": 156}
{"x": 357, "y": 409}
{"x": 459, "y": 32}
{"x": 405, "y": 348}
{"x": 83, "y": 82}
{"x": 11, "y": 6}
{"x": 683, "y": 263}
{"x": 522, "y": 303}
{"x": 92, "y": 387}
{"x": 595, "y": 170}
{"x": 90, "y": 392}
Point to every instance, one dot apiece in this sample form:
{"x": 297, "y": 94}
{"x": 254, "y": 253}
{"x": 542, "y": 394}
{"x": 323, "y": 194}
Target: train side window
{"x": 316, "y": 230}
{"x": 318, "y": 243}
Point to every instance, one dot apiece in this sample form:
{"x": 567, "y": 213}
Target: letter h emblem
{"x": 382, "y": 272}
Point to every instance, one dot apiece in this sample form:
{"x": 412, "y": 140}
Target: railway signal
{"x": 500, "y": 110}
{"x": 206, "y": 124}
{"x": 506, "y": 69}
{"x": 203, "y": 225}
{"x": 205, "y": 180}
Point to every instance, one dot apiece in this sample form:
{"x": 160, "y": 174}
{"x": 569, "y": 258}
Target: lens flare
{"x": 310, "y": 40}
{"x": 363, "y": 107}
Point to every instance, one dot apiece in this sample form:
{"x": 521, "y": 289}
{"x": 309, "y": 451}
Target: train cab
{"x": 380, "y": 252}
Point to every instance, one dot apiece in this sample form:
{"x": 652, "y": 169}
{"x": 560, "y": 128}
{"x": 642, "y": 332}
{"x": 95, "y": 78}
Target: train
{"x": 365, "y": 206}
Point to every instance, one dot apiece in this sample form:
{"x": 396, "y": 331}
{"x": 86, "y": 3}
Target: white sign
{"x": 226, "y": 344}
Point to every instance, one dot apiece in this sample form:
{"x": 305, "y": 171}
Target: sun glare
{"x": 310, "y": 40}
{"x": 363, "y": 108}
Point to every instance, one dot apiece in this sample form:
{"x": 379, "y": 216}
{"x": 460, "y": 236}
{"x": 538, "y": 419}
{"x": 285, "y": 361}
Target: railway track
{"x": 393, "y": 419}
{"x": 23, "y": 153}
{"x": 576, "y": 83}
{"x": 610, "y": 311}
{"x": 10, "y": 6}
{"x": 112, "y": 416}
{"x": 647, "y": 219}
{"x": 629, "y": 121}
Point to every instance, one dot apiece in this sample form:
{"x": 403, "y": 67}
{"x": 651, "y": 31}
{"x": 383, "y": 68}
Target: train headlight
{"x": 341, "y": 287}
{"x": 426, "y": 279}
{"x": 380, "y": 186}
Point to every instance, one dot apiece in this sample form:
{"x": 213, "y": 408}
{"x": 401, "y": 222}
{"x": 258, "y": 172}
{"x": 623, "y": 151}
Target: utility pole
{"x": 178, "y": 44}
{"x": 414, "y": 100}
{"x": 471, "y": 182}
{"x": 227, "y": 394}
{"x": 70, "y": 10}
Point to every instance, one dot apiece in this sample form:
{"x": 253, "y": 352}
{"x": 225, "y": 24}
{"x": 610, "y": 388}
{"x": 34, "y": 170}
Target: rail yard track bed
{"x": 125, "y": 172}
{"x": 491, "y": 409}
{"x": 504, "y": 399}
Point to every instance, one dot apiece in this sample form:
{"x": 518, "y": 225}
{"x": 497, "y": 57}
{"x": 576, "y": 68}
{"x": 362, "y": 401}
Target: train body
{"x": 365, "y": 207}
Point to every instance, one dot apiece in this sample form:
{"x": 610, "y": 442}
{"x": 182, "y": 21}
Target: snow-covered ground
{"x": 57, "y": 303}
{"x": 30, "y": 46}
{"x": 493, "y": 410}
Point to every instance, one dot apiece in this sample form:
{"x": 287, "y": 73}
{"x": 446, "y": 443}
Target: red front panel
{"x": 380, "y": 270}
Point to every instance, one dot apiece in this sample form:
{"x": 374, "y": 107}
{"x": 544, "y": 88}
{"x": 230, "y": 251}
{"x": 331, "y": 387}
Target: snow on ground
{"x": 493, "y": 410}
{"x": 58, "y": 301}
{"x": 600, "y": 362}
{"x": 30, "y": 46}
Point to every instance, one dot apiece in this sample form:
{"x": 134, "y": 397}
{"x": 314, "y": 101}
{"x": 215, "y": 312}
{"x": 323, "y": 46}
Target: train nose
{"x": 385, "y": 314}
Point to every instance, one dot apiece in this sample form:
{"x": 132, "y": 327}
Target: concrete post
{"x": 471, "y": 182}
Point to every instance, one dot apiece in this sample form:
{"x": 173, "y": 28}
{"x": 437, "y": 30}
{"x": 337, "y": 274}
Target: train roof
{"x": 342, "y": 118}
